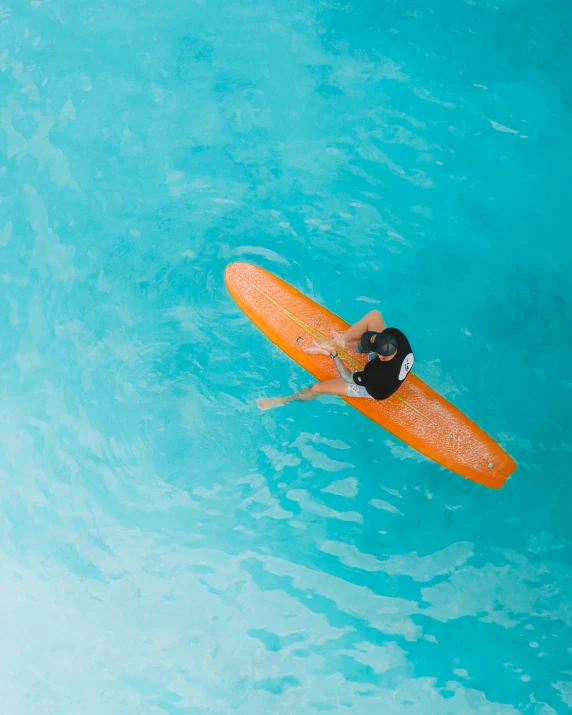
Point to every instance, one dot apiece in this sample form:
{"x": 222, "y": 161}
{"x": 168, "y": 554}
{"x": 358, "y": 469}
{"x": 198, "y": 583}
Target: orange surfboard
{"x": 415, "y": 414}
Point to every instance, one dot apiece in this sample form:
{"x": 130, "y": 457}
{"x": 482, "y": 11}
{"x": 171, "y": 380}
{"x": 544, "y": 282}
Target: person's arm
{"x": 320, "y": 349}
{"x": 345, "y": 373}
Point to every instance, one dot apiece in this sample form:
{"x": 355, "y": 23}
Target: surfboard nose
{"x": 234, "y": 270}
{"x": 233, "y": 267}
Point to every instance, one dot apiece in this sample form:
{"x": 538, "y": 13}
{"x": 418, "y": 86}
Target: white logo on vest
{"x": 406, "y": 366}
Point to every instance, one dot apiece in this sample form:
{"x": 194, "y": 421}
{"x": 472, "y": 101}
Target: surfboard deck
{"x": 415, "y": 414}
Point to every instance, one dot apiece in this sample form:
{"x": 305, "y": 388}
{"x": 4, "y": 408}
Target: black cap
{"x": 383, "y": 343}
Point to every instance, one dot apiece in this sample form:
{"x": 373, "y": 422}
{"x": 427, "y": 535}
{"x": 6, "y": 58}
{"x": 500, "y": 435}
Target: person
{"x": 390, "y": 361}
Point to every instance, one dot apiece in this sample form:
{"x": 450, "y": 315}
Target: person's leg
{"x": 371, "y": 321}
{"x": 337, "y": 386}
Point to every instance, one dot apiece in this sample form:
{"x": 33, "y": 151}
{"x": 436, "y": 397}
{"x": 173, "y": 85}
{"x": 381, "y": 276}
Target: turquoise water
{"x": 165, "y": 547}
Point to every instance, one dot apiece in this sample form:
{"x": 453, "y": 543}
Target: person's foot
{"x": 324, "y": 347}
{"x": 267, "y": 403}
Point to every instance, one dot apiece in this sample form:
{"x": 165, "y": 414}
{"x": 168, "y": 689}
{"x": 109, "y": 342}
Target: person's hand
{"x": 329, "y": 346}
{"x": 320, "y": 349}
{"x": 338, "y": 340}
